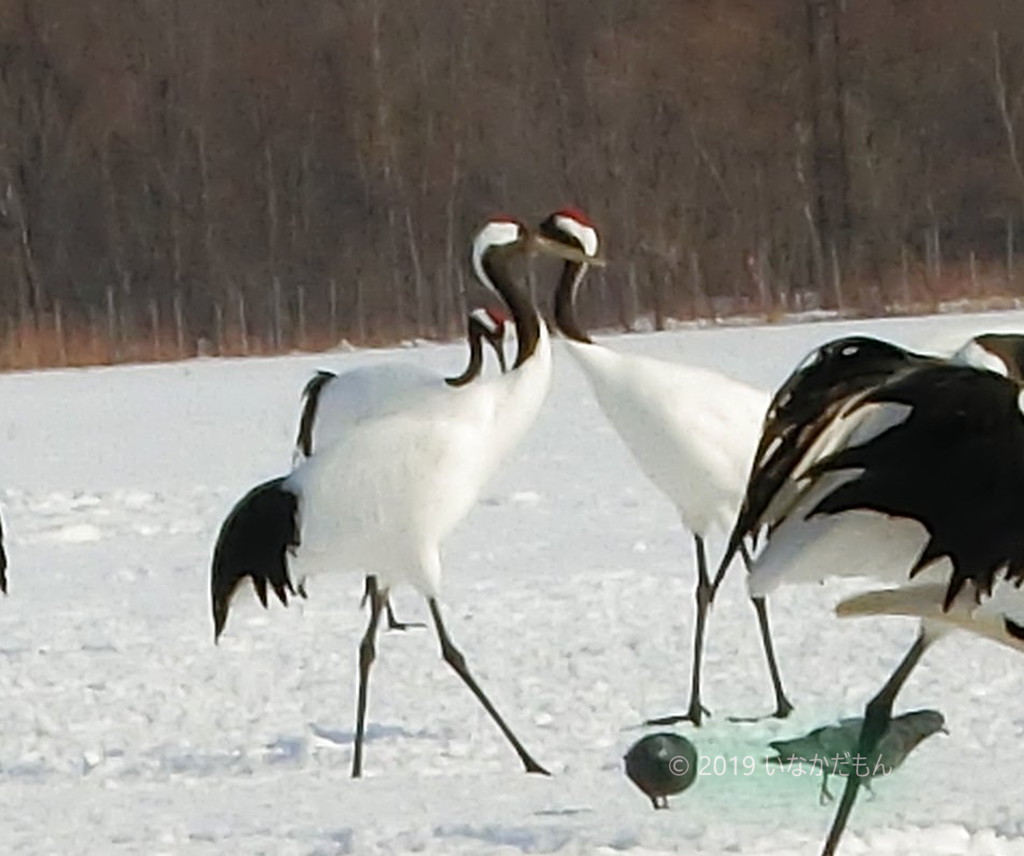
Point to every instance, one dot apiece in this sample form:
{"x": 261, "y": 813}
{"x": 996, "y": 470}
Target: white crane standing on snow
{"x": 692, "y": 431}
{"x": 381, "y": 499}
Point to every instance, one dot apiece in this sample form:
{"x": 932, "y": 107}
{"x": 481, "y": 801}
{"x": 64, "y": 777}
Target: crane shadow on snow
{"x": 346, "y": 737}
{"x": 295, "y": 749}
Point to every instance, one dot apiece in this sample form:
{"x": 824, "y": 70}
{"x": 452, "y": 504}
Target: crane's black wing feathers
{"x": 803, "y": 408}
{"x": 956, "y": 465}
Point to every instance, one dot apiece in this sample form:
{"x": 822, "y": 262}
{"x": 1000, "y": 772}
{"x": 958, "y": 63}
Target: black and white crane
{"x": 381, "y": 499}
{"x": 828, "y": 379}
{"x": 692, "y": 431}
{"x": 908, "y": 469}
{"x": 327, "y": 414}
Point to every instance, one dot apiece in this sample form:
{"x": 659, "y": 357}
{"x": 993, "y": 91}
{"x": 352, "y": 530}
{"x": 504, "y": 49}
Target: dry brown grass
{"x": 29, "y": 346}
{"x": 50, "y": 343}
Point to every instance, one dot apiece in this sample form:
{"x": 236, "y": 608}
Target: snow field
{"x": 569, "y": 588}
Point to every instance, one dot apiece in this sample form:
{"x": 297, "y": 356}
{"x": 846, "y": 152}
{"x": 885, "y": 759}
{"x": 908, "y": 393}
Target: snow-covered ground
{"x": 124, "y": 729}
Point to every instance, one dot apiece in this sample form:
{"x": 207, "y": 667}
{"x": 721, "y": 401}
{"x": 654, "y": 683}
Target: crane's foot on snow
{"x": 695, "y": 715}
{"x": 404, "y": 625}
{"x": 781, "y": 712}
{"x": 395, "y": 624}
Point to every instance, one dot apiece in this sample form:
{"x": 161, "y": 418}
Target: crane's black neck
{"x": 476, "y": 359}
{"x": 311, "y": 394}
{"x": 520, "y": 307}
{"x": 565, "y": 302}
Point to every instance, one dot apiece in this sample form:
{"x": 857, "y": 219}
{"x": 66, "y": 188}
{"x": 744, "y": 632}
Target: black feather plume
{"x": 254, "y": 542}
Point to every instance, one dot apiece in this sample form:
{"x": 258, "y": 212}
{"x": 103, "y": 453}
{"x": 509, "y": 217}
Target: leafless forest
{"x": 187, "y": 176}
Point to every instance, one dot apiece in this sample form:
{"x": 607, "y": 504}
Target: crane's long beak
{"x": 544, "y": 244}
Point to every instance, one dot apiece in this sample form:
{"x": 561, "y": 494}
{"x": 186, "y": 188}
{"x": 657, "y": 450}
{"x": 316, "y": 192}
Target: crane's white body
{"x": 370, "y": 392}
{"x": 373, "y": 391}
{"x": 400, "y": 459}
{"x": 692, "y": 431}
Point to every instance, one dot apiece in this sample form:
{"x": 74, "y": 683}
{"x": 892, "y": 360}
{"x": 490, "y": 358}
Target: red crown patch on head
{"x": 575, "y": 214}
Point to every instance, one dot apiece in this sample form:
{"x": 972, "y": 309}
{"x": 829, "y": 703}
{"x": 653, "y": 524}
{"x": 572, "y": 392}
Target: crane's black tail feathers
{"x": 254, "y": 542}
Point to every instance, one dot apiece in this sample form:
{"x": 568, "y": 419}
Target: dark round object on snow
{"x": 662, "y": 764}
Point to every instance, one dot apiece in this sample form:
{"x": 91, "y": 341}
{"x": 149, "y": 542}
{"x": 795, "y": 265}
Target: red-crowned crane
{"x": 906, "y": 469}
{"x": 692, "y": 431}
{"x": 381, "y": 499}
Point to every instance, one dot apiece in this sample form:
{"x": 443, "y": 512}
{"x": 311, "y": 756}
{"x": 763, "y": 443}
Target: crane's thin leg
{"x": 367, "y": 654}
{"x": 703, "y": 596}
{"x": 783, "y": 707}
{"x": 877, "y": 716}
{"x": 393, "y": 623}
{"x": 369, "y": 585}
{"x": 453, "y": 657}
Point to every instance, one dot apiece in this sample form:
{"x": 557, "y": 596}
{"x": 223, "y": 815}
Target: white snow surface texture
{"x": 569, "y": 587}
